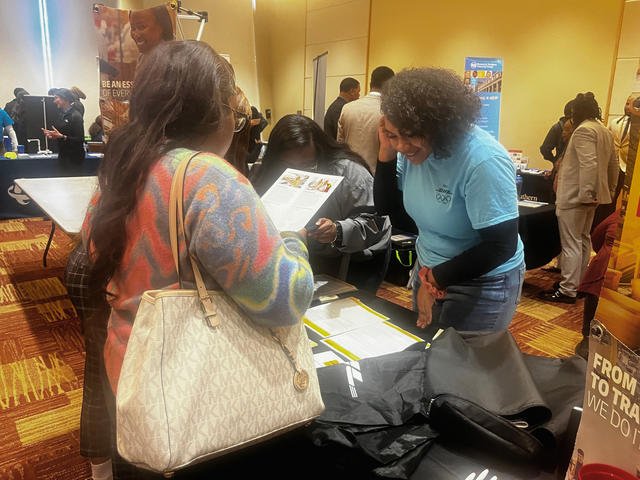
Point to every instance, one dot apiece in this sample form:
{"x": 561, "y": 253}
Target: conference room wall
{"x": 340, "y": 28}
{"x": 23, "y": 66}
{"x": 628, "y": 59}
{"x": 73, "y": 49}
{"x": 229, "y": 31}
{"x": 280, "y": 47}
{"x": 551, "y": 51}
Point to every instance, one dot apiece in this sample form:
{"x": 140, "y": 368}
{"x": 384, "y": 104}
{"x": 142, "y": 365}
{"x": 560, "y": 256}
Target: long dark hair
{"x": 177, "y": 100}
{"x": 297, "y": 131}
{"x": 433, "y": 104}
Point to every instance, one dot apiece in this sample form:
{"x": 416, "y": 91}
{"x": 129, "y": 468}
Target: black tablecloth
{"x": 294, "y": 456}
{"x": 538, "y": 228}
{"x": 536, "y": 187}
{"x": 13, "y": 203}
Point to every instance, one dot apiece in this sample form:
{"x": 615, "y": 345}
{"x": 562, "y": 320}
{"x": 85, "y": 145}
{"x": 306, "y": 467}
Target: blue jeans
{"x": 485, "y": 303}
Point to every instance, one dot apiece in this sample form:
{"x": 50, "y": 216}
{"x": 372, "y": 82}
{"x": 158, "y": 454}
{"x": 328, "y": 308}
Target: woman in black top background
{"x": 68, "y": 130}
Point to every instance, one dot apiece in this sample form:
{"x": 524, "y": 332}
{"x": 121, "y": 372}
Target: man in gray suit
{"x": 358, "y": 124}
{"x": 587, "y": 178}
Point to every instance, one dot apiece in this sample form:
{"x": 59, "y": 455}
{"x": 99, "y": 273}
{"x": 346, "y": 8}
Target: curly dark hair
{"x": 584, "y": 108}
{"x": 433, "y": 104}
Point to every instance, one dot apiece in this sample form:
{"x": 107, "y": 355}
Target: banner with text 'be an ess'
{"x": 124, "y": 38}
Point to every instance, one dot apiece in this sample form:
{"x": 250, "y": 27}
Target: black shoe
{"x": 556, "y": 296}
{"x": 582, "y": 348}
{"x": 556, "y": 286}
{"x": 552, "y": 269}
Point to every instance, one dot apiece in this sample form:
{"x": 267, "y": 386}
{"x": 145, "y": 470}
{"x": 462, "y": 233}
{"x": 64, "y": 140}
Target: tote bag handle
{"x": 176, "y": 225}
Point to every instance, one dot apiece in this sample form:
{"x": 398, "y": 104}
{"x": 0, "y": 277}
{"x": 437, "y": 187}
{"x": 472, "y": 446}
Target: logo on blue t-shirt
{"x": 443, "y": 195}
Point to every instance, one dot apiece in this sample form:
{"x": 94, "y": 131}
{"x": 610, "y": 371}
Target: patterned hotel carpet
{"x": 42, "y": 351}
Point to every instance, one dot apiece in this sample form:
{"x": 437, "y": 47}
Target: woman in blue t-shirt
{"x": 457, "y": 183}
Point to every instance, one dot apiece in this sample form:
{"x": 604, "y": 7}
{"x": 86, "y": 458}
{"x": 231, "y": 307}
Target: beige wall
{"x": 551, "y": 51}
{"x": 341, "y": 28}
{"x": 628, "y": 59}
{"x": 229, "y": 31}
{"x": 280, "y": 49}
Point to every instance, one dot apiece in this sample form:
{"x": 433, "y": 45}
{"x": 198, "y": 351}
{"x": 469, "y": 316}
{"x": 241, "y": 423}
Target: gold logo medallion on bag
{"x": 301, "y": 380}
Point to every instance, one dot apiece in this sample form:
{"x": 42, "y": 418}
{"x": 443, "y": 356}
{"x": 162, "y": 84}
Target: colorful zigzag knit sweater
{"x": 237, "y": 246}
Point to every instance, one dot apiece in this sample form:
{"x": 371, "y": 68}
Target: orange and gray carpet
{"x": 42, "y": 350}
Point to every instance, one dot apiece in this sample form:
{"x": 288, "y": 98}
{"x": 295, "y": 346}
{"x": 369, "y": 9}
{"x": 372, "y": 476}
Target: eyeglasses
{"x": 241, "y": 119}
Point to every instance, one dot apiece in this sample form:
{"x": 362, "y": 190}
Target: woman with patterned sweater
{"x": 183, "y": 103}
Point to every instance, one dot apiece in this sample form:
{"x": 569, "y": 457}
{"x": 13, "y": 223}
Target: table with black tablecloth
{"x": 536, "y": 186}
{"x": 13, "y": 203}
{"x": 538, "y": 228}
{"x": 294, "y": 455}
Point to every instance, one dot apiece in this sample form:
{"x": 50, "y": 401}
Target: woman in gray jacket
{"x": 347, "y": 239}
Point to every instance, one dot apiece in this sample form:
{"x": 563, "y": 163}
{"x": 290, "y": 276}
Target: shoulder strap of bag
{"x": 176, "y": 225}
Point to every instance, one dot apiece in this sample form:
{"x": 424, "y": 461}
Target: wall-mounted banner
{"x": 124, "y": 37}
{"x": 484, "y": 76}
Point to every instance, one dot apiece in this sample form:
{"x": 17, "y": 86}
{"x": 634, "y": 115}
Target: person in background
{"x": 350, "y": 241}
{"x": 567, "y": 131}
{"x": 459, "y": 186}
{"x": 95, "y": 428}
{"x": 349, "y": 91}
{"x": 126, "y": 229}
{"x": 619, "y": 127}
{"x": 602, "y": 239}
{"x": 79, "y": 95}
{"x": 587, "y": 178}
{"x": 358, "y": 123}
{"x": 149, "y": 27}
{"x": 15, "y": 109}
{"x": 6, "y": 126}
{"x": 237, "y": 153}
{"x": 68, "y": 130}
{"x": 95, "y": 130}
{"x": 258, "y": 124}
{"x": 553, "y": 145}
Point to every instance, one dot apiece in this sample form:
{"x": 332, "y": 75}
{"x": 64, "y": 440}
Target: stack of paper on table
{"x": 326, "y": 287}
{"x": 354, "y": 330}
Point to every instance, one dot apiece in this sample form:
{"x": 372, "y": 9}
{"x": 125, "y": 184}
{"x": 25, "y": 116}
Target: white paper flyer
{"x": 296, "y": 196}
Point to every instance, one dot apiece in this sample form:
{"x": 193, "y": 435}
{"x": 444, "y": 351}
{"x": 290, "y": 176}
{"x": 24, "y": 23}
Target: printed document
{"x": 340, "y": 316}
{"x": 377, "y": 339}
{"x": 355, "y": 331}
{"x": 295, "y": 197}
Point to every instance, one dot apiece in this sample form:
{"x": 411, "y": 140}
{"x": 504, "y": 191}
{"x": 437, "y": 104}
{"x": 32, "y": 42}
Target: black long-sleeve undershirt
{"x": 498, "y": 242}
{"x": 388, "y": 198}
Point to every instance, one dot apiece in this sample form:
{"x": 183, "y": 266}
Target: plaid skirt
{"x": 95, "y": 428}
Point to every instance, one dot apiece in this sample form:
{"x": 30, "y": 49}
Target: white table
{"x": 63, "y": 199}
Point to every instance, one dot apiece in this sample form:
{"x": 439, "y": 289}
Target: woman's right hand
{"x": 425, "y": 303}
{"x": 386, "y": 153}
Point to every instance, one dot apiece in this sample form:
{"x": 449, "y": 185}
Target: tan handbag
{"x": 201, "y": 379}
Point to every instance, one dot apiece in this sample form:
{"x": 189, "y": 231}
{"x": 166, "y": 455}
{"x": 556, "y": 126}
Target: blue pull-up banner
{"x": 484, "y": 76}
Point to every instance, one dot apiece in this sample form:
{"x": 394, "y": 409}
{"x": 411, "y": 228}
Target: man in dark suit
{"x": 349, "y": 91}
